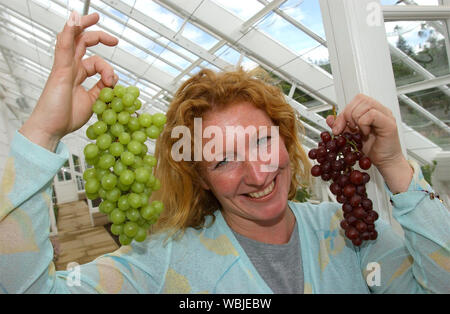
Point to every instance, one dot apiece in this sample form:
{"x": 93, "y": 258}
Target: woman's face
{"x": 245, "y": 189}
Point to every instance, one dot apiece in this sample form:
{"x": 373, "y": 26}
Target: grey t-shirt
{"x": 280, "y": 265}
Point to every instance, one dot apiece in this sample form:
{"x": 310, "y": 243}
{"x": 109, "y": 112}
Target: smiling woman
{"x": 223, "y": 100}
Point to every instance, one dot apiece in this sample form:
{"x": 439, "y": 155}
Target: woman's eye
{"x": 223, "y": 162}
{"x": 263, "y": 140}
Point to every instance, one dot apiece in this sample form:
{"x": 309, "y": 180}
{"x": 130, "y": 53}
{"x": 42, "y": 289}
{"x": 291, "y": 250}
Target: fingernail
{"x": 74, "y": 19}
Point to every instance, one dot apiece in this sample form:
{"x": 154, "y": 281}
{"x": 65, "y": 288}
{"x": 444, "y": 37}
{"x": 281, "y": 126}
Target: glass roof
{"x": 174, "y": 46}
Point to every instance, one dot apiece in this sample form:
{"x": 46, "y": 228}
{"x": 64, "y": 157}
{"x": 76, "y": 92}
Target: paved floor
{"x": 78, "y": 240}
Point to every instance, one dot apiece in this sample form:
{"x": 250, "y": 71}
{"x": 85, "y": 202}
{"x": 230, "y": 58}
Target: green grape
{"x": 152, "y": 132}
{"x": 141, "y": 234}
{"x": 109, "y": 116}
{"x": 89, "y": 174}
{"x": 133, "y": 214}
{"x": 133, "y": 90}
{"x": 130, "y": 229}
{"x": 92, "y": 186}
{"x": 133, "y": 124}
{"x": 145, "y": 120}
{"x": 124, "y": 239}
{"x": 100, "y": 173}
{"x": 134, "y": 147}
{"x": 139, "y": 136}
{"x": 119, "y": 90}
{"x": 144, "y": 198}
{"x": 100, "y": 127}
{"x": 137, "y": 104}
{"x": 127, "y": 177}
{"x": 144, "y": 150}
{"x": 134, "y": 200}
{"x": 106, "y": 207}
{"x": 106, "y": 161}
{"x": 141, "y": 221}
{"x": 128, "y": 100}
{"x": 116, "y": 104}
{"x": 113, "y": 195}
{"x": 137, "y": 187}
{"x": 116, "y": 229}
{"x": 90, "y": 133}
{"x": 124, "y": 138}
{"x": 117, "y": 216}
{"x": 118, "y": 168}
{"x": 99, "y": 106}
{"x": 116, "y": 129}
{"x": 106, "y": 94}
{"x": 102, "y": 193}
{"x": 127, "y": 158}
{"x": 123, "y": 187}
{"x": 122, "y": 203}
{"x": 138, "y": 163}
{"x": 92, "y": 196}
{"x": 148, "y": 212}
{"x": 150, "y": 160}
{"x": 91, "y": 151}
{"x": 109, "y": 181}
{"x": 104, "y": 141}
{"x": 157, "y": 185}
{"x": 131, "y": 109}
{"x": 159, "y": 119}
{"x": 142, "y": 175}
{"x": 158, "y": 206}
{"x": 116, "y": 149}
{"x": 151, "y": 181}
{"x": 123, "y": 117}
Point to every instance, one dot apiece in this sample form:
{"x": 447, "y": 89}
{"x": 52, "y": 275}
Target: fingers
{"x": 65, "y": 41}
{"x": 95, "y": 90}
{"x": 94, "y": 65}
{"x": 358, "y": 107}
{"x": 89, "y": 39}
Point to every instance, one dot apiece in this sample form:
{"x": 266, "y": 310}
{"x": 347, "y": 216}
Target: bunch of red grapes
{"x": 337, "y": 157}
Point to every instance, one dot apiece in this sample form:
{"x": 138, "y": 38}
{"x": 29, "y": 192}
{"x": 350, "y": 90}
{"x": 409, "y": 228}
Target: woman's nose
{"x": 253, "y": 174}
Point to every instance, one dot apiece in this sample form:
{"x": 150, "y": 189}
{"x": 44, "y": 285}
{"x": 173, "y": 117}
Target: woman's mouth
{"x": 263, "y": 194}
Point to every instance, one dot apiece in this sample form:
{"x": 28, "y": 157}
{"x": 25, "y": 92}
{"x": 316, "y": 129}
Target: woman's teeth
{"x": 267, "y": 191}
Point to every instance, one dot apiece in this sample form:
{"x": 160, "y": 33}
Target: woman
{"x": 228, "y": 226}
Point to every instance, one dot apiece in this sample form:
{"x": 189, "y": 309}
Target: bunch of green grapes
{"x": 122, "y": 172}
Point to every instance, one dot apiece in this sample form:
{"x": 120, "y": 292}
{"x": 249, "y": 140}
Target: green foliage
{"x": 302, "y": 195}
{"x": 428, "y": 170}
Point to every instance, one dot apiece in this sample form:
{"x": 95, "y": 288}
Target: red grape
{"x": 336, "y": 156}
{"x": 325, "y": 136}
{"x": 365, "y": 163}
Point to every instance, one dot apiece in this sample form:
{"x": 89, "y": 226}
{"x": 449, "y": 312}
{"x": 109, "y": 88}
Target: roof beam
{"x": 416, "y": 12}
{"x": 427, "y": 84}
{"x": 262, "y": 13}
{"x": 425, "y": 112}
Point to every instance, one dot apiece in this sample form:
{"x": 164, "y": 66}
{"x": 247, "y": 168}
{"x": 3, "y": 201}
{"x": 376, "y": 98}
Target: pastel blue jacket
{"x": 211, "y": 260}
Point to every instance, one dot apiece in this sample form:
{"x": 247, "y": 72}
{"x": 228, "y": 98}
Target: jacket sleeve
{"x": 419, "y": 262}
{"x": 26, "y": 252}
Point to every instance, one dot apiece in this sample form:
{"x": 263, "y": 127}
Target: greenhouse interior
{"x": 321, "y": 53}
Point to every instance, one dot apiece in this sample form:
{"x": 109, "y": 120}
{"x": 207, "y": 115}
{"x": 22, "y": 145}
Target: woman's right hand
{"x": 64, "y": 105}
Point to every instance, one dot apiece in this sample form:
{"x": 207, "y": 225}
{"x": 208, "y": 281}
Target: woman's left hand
{"x": 381, "y": 142}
